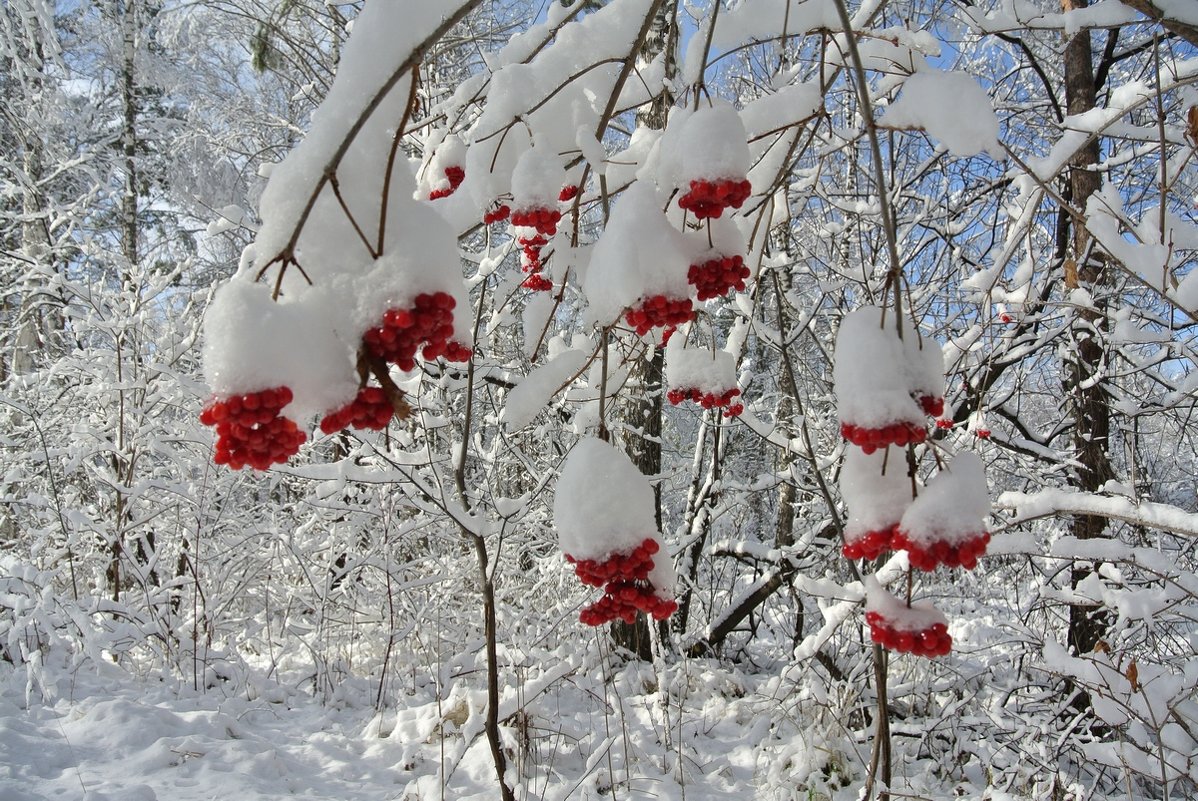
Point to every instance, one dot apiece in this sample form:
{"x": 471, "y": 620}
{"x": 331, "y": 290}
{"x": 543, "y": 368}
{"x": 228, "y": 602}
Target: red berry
{"x": 497, "y": 214}
{"x": 568, "y": 193}
{"x": 249, "y": 430}
{"x": 537, "y": 283}
{"x": 425, "y": 328}
{"x": 929, "y": 642}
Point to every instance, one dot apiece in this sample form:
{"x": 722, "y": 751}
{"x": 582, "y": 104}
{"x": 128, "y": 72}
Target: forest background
{"x": 402, "y": 594}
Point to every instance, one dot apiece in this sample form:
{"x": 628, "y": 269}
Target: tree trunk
{"x": 1087, "y": 397}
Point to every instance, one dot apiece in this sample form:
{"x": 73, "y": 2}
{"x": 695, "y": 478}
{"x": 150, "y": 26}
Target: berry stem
{"x": 378, "y": 368}
{"x": 865, "y": 107}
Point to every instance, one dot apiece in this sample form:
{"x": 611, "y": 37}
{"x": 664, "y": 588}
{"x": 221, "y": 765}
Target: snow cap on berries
{"x": 639, "y": 255}
{"x": 876, "y": 490}
{"x": 925, "y": 366}
{"x": 870, "y": 372}
{"x": 438, "y": 174}
{"x": 708, "y": 144}
{"x": 603, "y": 505}
{"x": 252, "y": 343}
{"x": 538, "y": 178}
{"x": 421, "y": 258}
{"x": 953, "y": 506}
{"x": 699, "y": 368}
{"x": 916, "y": 617}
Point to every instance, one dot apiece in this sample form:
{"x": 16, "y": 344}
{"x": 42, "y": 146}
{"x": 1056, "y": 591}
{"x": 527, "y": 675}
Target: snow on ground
{"x": 98, "y": 733}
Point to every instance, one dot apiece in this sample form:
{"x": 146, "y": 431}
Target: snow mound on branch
{"x": 952, "y": 108}
{"x": 787, "y": 106}
{"x": 533, "y": 393}
{"x": 763, "y": 19}
{"x": 953, "y": 506}
{"x": 708, "y": 144}
{"x": 385, "y": 34}
{"x": 872, "y": 381}
{"x": 876, "y": 490}
{"x": 603, "y": 505}
{"x": 699, "y": 368}
{"x": 639, "y": 255}
{"x": 252, "y": 343}
{"x": 919, "y": 616}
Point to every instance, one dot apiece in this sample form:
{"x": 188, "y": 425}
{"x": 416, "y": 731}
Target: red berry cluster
{"x": 872, "y": 439}
{"x": 623, "y": 600}
{"x": 568, "y": 193}
{"x": 369, "y": 410}
{"x": 872, "y": 544}
{"x": 713, "y": 279}
{"x": 944, "y": 423}
{"x": 930, "y": 642}
{"x": 457, "y": 352}
{"x": 625, "y": 579}
{"x": 963, "y": 553}
{"x": 932, "y": 406}
{"x": 708, "y": 400}
{"x": 543, "y": 219}
{"x": 455, "y": 176}
{"x": 982, "y": 433}
{"x": 530, "y": 262}
{"x": 497, "y": 214}
{"x": 710, "y": 198}
{"x": 660, "y": 311}
{"x": 250, "y": 430}
{"x": 429, "y": 323}
{"x": 537, "y": 283}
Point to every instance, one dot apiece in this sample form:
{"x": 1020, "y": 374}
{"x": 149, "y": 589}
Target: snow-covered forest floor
{"x": 698, "y": 729}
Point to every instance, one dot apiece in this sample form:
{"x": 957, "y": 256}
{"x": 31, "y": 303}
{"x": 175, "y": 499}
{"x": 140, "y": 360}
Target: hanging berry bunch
{"x": 250, "y": 431}
{"x": 603, "y": 510}
{"x": 537, "y": 183}
{"x": 318, "y": 340}
{"x": 706, "y": 159}
{"x": 886, "y": 386}
{"x": 446, "y": 168}
{"x": 915, "y": 628}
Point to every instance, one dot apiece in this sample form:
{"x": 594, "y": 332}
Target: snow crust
{"x": 602, "y": 505}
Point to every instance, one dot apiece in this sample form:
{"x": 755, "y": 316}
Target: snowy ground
{"x": 101, "y": 734}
